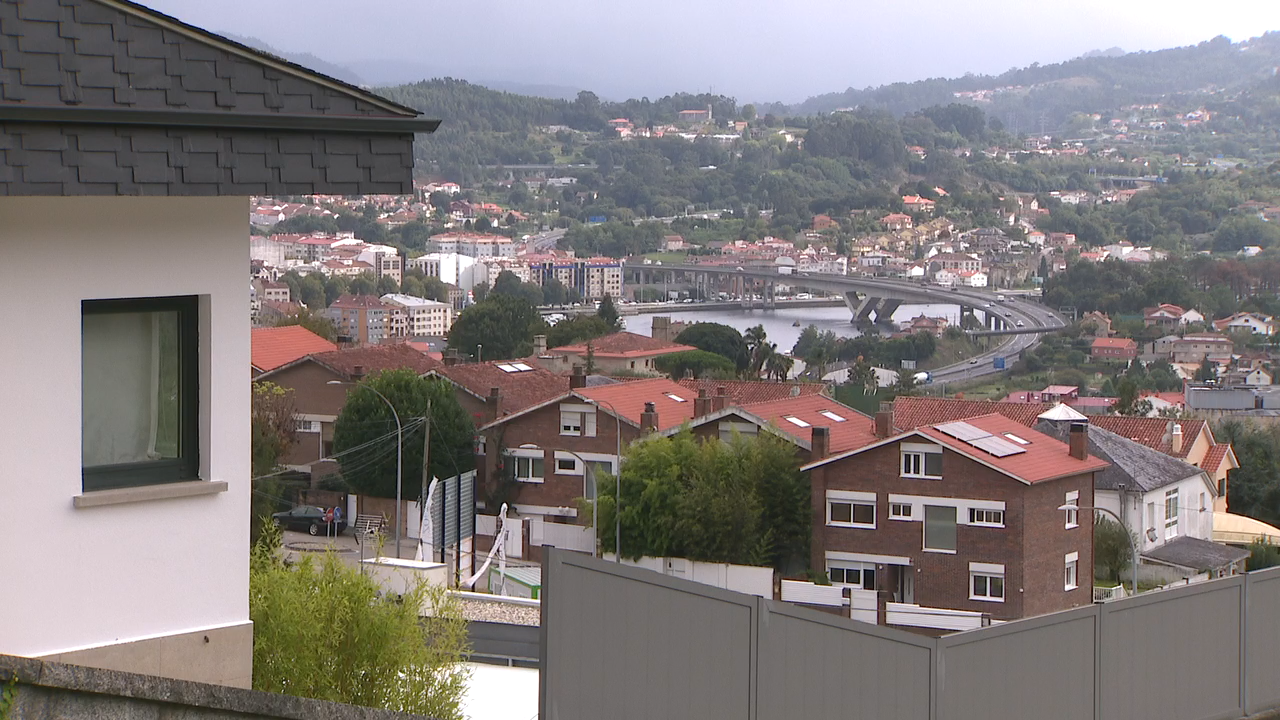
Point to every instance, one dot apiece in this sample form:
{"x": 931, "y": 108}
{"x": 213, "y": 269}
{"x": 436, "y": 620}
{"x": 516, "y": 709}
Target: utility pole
{"x": 426, "y": 474}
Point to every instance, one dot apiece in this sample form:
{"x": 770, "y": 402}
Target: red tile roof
{"x": 1213, "y": 459}
{"x": 519, "y": 390}
{"x": 376, "y": 358}
{"x": 913, "y": 412}
{"x": 1152, "y": 432}
{"x": 745, "y": 392}
{"x": 854, "y": 431}
{"x": 1113, "y": 343}
{"x": 1044, "y": 458}
{"x": 622, "y": 344}
{"x": 628, "y": 400}
{"x": 276, "y": 346}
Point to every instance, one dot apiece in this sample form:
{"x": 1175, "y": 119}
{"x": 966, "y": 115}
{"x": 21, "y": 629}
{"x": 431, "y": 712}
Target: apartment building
{"x": 360, "y": 319}
{"x": 476, "y": 245}
{"x": 592, "y": 278}
{"x": 418, "y": 317}
{"x": 960, "y": 515}
{"x": 1197, "y": 347}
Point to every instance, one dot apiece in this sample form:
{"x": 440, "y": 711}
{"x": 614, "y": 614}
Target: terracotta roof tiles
{"x": 745, "y": 392}
{"x": 276, "y": 346}
{"x": 913, "y": 412}
{"x": 847, "y": 428}
{"x": 673, "y": 402}
{"x": 622, "y": 344}
{"x": 376, "y": 358}
{"x": 519, "y": 389}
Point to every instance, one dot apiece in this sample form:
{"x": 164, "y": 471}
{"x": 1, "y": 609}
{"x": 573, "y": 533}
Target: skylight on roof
{"x": 522, "y": 367}
{"x": 675, "y": 397}
{"x": 508, "y": 368}
{"x": 796, "y": 421}
{"x": 830, "y": 415}
{"x": 1015, "y": 438}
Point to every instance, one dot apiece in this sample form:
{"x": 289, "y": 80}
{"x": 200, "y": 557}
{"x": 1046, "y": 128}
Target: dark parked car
{"x": 309, "y": 518}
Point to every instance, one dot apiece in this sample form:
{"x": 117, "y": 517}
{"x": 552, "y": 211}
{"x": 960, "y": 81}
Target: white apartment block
{"x": 476, "y": 245}
{"x": 418, "y": 317}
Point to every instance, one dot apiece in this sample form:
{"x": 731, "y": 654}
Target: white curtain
{"x": 121, "y": 361}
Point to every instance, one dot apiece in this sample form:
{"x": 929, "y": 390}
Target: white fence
{"x": 487, "y": 525}
{"x": 862, "y": 604}
{"x": 756, "y": 581}
{"x": 561, "y": 535}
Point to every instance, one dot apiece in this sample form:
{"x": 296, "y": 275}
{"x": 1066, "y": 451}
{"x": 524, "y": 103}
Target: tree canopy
{"x": 501, "y": 327}
{"x": 716, "y": 338}
{"x": 364, "y": 436}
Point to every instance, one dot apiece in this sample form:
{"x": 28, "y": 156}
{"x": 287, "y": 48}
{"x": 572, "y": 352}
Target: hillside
{"x": 1085, "y": 84}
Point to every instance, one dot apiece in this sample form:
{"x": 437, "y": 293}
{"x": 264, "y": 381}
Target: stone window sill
{"x": 144, "y": 493}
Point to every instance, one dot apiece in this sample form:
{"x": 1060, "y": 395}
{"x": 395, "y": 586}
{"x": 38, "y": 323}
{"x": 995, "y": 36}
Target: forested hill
{"x": 1080, "y": 84}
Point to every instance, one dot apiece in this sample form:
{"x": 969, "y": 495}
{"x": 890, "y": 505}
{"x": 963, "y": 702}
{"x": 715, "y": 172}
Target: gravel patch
{"x": 499, "y": 612}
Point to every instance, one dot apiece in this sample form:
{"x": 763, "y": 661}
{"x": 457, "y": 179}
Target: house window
{"x": 528, "y": 469}
{"x": 939, "y": 528}
{"x": 921, "y": 463}
{"x": 1073, "y": 513}
{"x": 1151, "y": 515}
{"x": 847, "y": 513}
{"x": 578, "y": 420}
{"x": 140, "y": 368}
{"x": 856, "y": 574}
{"x": 986, "y": 582}
{"x": 1171, "y": 513}
{"x": 1071, "y": 578}
{"x": 899, "y": 511}
{"x": 993, "y": 518}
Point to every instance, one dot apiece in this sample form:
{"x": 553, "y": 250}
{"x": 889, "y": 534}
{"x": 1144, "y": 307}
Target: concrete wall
{"x": 77, "y": 578}
{"x": 624, "y": 642}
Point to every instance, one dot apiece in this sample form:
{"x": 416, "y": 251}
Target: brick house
{"x": 962, "y": 515}
{"x": 317, "y": 403}
{"x": 1124, "y": 349}
{"x": 491, "y": 390}
{"x": 620, "y": 352}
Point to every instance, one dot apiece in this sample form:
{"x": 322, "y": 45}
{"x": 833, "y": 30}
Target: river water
{"x": 779, "y": 324}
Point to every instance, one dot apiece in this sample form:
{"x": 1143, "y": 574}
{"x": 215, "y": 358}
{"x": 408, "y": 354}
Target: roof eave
{"x": 227, "y": 120}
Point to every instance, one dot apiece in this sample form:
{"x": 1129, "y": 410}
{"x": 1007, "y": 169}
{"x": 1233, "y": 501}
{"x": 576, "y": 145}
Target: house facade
{"x": 946, "y": 522}
{"x": 1124, "y": 349}
{"x": 1197, "y": 347}
{"x": 129, "y": 466}
{"x": 617, "y": 353}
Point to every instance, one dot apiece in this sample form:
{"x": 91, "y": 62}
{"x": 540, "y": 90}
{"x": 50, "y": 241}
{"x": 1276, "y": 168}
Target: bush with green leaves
{"x": 324, "y": 630}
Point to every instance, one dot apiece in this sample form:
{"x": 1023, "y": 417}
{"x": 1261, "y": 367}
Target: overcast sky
{"x": 755, "y": 50}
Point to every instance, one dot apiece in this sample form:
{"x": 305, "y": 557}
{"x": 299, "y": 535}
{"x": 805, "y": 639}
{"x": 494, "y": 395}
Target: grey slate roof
{"x": 1132, "y": 463}
{"x": 1196, "y": 554}
{"x": 106, "y": 97}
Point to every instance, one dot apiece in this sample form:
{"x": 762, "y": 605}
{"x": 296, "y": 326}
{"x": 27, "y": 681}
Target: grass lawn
{"x": 668, "y": 258}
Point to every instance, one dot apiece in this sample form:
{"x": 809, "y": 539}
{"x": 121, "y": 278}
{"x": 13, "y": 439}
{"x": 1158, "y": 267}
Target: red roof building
{"x": 1113, "y": 349}
{"x": 620, "y": 352}
{"x": 276, "y": 346}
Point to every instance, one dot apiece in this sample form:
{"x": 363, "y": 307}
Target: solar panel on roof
{"x": 999, "y": 447}
{"x": 962, "y": 431}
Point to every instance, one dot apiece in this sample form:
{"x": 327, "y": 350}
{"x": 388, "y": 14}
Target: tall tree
{"x": 577, "y": 329}
{"x": 312, "y": 321}
{"x": 716, "y": 338}
{"x": 363, "y": 284}
{"x": 364, "y": 436}
{"x": 607, "y": 312}
{"x": 502, "y": 324}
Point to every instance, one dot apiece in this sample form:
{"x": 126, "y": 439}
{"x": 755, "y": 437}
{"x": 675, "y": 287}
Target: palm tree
{"x": 757, "y": 349}
{"x": 760, "y": 358}
{"x": 779, "y": 366}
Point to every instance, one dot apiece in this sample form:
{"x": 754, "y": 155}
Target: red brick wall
{"x": 542, "y": 428}
{"x": 1032, "y": 564}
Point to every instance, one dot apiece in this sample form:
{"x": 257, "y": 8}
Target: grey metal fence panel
{"x": 631, "y": 643}
{"x": 1041, "y": 668}
{"x": 1173, "y": 655}
{"x": 1262, "y": 640}
{"x": 815, "y": 665}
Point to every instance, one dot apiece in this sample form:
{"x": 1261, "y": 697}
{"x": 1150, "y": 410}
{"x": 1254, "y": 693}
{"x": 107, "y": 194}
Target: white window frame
{"x": 1071, "y": 572}
{"x": 1171, "y": 511}
{"x": 577, "y": 469}
{"x": 1073, "y": 513}
{"x": 912, "y": 462}
{"x": 585, "y": 425}
{"x": 528, "y": 455}
{"x": 988, "y": 571}
{"x": 896, "y": 511}
{"x": 924, "y": 530}
{"x": 851, "y": 498}
{"x": 983, "y": 517}
{"x": 861, "y": 567}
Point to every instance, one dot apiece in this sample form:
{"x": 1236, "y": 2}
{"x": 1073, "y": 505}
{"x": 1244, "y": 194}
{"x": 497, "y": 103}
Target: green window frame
{"x": 175, "y": 397}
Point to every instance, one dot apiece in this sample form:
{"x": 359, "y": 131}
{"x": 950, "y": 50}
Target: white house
{"x": 1191, "y": 316}
{"x": 972, "y": 278}
{"x": 1256, "y": 323}
{"x": 1167, "y": 503}
{"x": 125, "y": 445}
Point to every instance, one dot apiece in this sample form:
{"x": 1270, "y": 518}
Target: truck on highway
{"x": 922, "y": 378}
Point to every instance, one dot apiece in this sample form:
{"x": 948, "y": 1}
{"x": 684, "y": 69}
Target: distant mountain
{"x": 1109, "y": 52}
{"x": 1093, "y": 82}
{"x": 341, "y": 72}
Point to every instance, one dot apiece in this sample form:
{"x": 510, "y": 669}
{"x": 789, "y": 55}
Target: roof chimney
{"x": 539, "y": 344}
{"x": 884, "y": 420}
{"x": 1175, "y": 439}
{"x": 578, "y": 378}
{"x": 494, "y": 403}
{"x": 649, "y": 418}
{"x": 450, "y": 357}
{"x": 820, "y": 443}
{"x": 702, "y": 404}
{"x": 1078, "y": 441}
{"x": 721, "y": 400}
{"x": 357, "y": 372}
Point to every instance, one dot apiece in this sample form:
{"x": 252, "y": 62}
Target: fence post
{"x": 1244, "y": 643}
{"x": 1099, "y": 610}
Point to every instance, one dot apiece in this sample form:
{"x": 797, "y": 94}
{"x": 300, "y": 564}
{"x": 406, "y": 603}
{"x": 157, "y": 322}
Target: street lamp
{"x": 617, "y": 475}
{"x": 399, "y": 451}
{"x": 589, "y": 474}
{"x": 1133, "y": 539}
